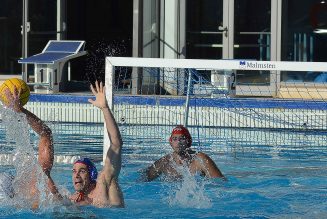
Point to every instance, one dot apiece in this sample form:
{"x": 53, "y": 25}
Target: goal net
{"x": 273, "y": 111}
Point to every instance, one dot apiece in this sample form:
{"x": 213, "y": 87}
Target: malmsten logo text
{"x": 254, "y": 64}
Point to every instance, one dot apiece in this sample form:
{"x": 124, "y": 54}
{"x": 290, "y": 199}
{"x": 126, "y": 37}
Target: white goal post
{"x": 234, "y": 113}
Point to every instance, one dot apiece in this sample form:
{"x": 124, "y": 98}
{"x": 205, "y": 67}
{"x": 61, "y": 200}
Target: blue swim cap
{"x": 90, "y": 167}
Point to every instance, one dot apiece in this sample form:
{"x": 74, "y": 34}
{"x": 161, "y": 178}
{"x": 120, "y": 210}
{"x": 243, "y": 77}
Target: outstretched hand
{"x": 13, "y": 99}
{"x": 100, "y": 96}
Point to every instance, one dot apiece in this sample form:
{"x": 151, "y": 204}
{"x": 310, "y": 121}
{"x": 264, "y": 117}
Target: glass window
{"x": 304, "y": 37}
{"x": 43, "y": 19}
{"x": 203, "y": 38}
{"x": 150, "y": 29}
{"x": 10, "y": 36}
{"x": 252, "y": 38}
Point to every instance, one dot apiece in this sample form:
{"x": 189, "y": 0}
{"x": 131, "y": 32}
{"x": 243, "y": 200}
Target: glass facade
{"x": 304, "y": 38}
{"x": 151, "y": 34}
{"x": 252, "y": 38}
{"x": 249, "y": 32}
{"x": 43, "y": 24}
{"x": 252, "y": 29}
{"x": 10, "y": 36}
{"x": 203, "y": 37}
{"x": 192, "y": 29}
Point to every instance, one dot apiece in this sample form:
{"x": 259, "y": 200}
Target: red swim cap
{"x": 181, "y": 130}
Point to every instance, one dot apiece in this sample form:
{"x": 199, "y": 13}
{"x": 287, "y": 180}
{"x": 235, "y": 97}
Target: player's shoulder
{"x": 167, "y": 158}
{"x": 163, "y": 159}
{"x": 202, "y": 155}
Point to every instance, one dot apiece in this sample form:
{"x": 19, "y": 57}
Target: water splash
{"x": 95, "y": 60}
{"x": 27, "y": 169}
{"x": 189, "y": 192}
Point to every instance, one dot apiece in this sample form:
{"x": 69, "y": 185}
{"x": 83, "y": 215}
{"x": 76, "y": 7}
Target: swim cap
{"x": 181, "y": 130}
{"x": 90, "y": 167}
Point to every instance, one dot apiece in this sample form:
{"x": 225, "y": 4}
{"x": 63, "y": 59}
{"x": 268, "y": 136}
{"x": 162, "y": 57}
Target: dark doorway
{"x": 107, "y": 28}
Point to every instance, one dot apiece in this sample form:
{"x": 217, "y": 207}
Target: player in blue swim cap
{"x": 100, "y": 189}
{"x": 84, "y": 177}
{"x": 91, "y": 188}
{"x": 91, "y": 168}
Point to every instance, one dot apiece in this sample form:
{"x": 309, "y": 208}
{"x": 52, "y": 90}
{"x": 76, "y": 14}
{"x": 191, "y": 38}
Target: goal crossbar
{"x": 217, "y": 64}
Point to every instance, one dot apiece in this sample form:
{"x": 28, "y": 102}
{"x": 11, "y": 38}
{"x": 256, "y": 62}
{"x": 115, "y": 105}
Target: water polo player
{"x": 92, "y": 188}
{"x": 197, "y": 162}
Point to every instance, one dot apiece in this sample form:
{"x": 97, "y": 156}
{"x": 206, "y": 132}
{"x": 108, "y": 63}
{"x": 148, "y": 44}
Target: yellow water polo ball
{"x": 11, "y": 84}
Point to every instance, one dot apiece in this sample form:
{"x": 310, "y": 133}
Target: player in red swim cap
{"x": 197, "y": 162}
{"x": 181, "y": 130}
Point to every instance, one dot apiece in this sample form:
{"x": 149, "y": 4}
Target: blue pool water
{"x": 262, "y": 182}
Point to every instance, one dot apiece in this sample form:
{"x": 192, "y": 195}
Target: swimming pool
{"x": 264, "y": 181}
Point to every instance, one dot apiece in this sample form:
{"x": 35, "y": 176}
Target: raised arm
{"x": 45, "y": 147}
{"x": 46, "y": 153}
{"x": 112, "y": 164}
